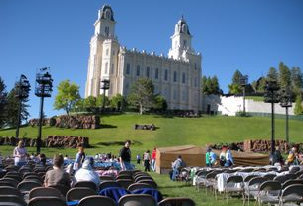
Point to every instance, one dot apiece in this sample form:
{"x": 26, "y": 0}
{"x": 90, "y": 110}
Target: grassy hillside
{"x": 170, "y": 131}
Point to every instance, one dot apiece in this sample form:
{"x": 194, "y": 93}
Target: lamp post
{"x": 243, "y": 83}
{"x": 271, "y": 96}
{"x": 44, "y": 88}
{"x": 23, "y": 88}
{"x": 105, "y": 86}
{"x": 285, "y": 101}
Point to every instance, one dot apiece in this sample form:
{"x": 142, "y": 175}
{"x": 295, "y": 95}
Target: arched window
{"x": 175, "y": 76}
{"x": 165, "y": 75}
{"x": 184, "y": 29}
{"x": 138, "y": 70}
{"x": 128, "y": 69}
{"x": 184, "y": 43}
{"x": 156, "y": 73}
{"x": 107, "y": 14}
{"x": 106, "y": 30}
{"x": 183, "y": 78}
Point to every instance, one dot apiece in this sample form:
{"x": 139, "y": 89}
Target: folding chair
{"x": 88, "y": 184}
{"x": 94, "y": 200}
{"x": 170, "y": 201}
{"x": 292, "y": 193}
{"x": 46, "y": 201}
{"x": 137, "y": 200}
{"x": 269, "y": 192}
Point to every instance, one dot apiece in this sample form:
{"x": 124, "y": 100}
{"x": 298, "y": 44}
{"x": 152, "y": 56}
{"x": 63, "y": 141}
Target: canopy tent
{"x": 195, "y": 156}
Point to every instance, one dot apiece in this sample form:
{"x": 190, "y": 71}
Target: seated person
{"x": 213, "y": 158}
{"x": 223, "y": 156}
{"x": 57, "y": 176}
{"x": 86, "y": 173}
{"x": 291, "y": 157}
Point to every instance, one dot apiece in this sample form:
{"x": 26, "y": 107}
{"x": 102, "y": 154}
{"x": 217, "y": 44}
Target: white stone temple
{"x": 176, "y": 77}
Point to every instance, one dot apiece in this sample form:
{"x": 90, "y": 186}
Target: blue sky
{"x": 249, "y": 35}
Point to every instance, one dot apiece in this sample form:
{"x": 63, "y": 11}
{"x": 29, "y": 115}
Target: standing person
{"x": 125, "y": 156}
{"x": 20, "y": 154}
{"x": 57, "y": 176}
{"x": 153, "y": 159}
{"x": 229, "y": 158}
{"x": 277, "y": 158}
{"x": 138, "y": 159}
{"x": 208, "y": 158}
{"x": 80, "y": 156}
{"x": 176, "y": 167}
{"x": 147, "y": 161}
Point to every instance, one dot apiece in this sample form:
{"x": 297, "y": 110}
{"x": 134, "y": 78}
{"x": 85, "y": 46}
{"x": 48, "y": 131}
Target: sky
{"x": 249, "y": 35}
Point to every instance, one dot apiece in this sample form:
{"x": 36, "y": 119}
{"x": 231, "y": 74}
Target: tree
{"x": 160, "y": 103}
{"x": 11, "y": 114}
{"x": 236, "y": 77}
{"x": 117, "y": 102}
{"x": 298, "y": 106}
{"x": 68, "y": 95}
{"x": 210, "y": 85}
{"x": 272, "y": 74}
{"x": 235, "y": 87}
{"x": 141, "y": 94}
{"x": 296, "y": 80}
{"x": 90, "y": 102}
{"x": 100, "y": 99}
{"x": 284, "y": 76}
{"x": 215, "y": 87}
{"x": 3, "y": 102}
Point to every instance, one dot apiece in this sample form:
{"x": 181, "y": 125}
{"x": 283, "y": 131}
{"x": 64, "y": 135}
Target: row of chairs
{"x": 250, "y": 185}
{"x": 93, "y": 200}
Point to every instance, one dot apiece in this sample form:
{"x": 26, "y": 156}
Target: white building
{"x": 176, "y": 77}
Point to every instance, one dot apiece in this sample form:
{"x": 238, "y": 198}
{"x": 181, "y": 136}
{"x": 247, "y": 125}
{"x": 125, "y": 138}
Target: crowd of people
{"x": 225, "y": 158}
{"x": 294, "y": 157}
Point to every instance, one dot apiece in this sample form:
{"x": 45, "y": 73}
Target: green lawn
{"x": 170, "y": 131}
{"x": 255, "y": 98}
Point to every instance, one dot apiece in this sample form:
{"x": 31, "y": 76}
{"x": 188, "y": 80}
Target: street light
{"x": 23, "y": 88}
{"x": 285, "y": 101}
{"x": 243, "y": 83}
{"x": 44, "y": 88}
{"x": 105, "y": 86}
{"x": 271, "y": 96}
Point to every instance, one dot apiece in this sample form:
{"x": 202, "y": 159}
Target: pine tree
{"x": 272, "y": 74}
{"x": 12, "y": 108}
{"x": 235, "y": 87}
{"x": 284, "y": 76}
{"x": 3, "y": 102}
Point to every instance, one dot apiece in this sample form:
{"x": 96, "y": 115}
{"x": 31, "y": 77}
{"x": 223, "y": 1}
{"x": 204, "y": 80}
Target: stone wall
{"x": 73, "y": 122}
{"x": 261, "y": 145}
{"x": 231, "y": 105}
{"x": 50, "y": 141}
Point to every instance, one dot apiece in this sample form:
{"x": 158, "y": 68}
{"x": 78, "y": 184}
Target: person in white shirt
{"x": 86, "y": 173}
{"x": 20, "y": 153}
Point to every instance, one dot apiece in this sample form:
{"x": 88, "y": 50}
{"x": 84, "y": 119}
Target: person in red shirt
{"x": 153, "y": 160}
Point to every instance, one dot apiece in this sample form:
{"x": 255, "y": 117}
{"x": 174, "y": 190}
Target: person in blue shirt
{"x": 229, "y": 159}
{"x": 80, "y": 157}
